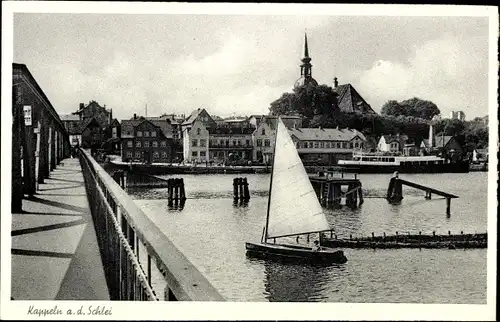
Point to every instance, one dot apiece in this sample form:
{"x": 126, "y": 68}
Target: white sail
{"x": 294, "y": 207}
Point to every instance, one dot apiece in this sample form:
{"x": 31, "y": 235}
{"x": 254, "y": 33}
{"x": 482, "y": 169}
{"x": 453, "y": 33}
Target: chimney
{"x": 431, "y": 136}
{"x": 82, "y": 105}
{"x": 135, "y": 116}
{"x": 335, "y": 82}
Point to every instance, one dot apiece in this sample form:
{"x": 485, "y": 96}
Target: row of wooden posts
{"x": 240, "y": 189}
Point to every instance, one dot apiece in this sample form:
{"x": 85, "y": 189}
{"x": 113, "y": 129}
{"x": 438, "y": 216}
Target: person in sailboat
{"x": 316, "y": 247}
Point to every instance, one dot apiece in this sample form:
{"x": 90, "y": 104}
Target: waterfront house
{"x": 93, "y": 110}
{"x": 72, "y": 124}
{"x": 148, "y": 141}
{"x": 263, "y": 138}
{"x": 447, "y": 144}
{"x": 231, "y": 143}
{"x": 392, "y": 144}
{"x": 480, "y": 155}
{"x": 322, "y": 146}
{"x": 195, "y": 141}
{"x": 113, "y": 144}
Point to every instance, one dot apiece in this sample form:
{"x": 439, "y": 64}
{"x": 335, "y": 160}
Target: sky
{"x": 238, "y": 64}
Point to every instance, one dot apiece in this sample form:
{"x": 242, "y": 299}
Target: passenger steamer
{"x": 379, "y": 163}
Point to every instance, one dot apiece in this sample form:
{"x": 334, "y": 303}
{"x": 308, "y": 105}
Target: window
{"x": 234, "y": 142}
{"x": 198, "y": 131}
{"x": 203, "y": 154}
{"x": 297, "y": 144}
{"x": 129, "y": 154}
{"x": 259, "y": 142}
{"x": 227, "y": 142}
{"x": 138, "y": 154}
{"x": 163, "y": 144}
{"x": 194, "y": 142}
{"x": 155, "y": 144}
{"x": 315, "y": 145}
{"x": 194, "y": 154}
{"x": 130, "y": 143}
{"x": 344, "y": 145}
{"x": 146, "y": 144}
{"x": 267, "y": 142}
{"x": 203, "y": 142}
{"x": 221, "y": 142}
{"x": 322, "y": 144}
{"x": 138, "y": 144}
{"x": 164, "y": 155}
{"x": 239, "y": 142}
{"x": 156, "y": 155}
{"x": 305, "y": 145}
{"x": 139, "y": 134}
{"x": 356, "y": 145}
{"x": 146, "y": 133}
{"x": 153, "y": 134}
{"x": 361, "y": 145}
{"x": 263, "y": 132}
{"x": 350, "y": 145}
{"x": 248, "y": 142}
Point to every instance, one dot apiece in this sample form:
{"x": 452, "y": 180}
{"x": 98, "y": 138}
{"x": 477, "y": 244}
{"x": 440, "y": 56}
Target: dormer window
{"x": 263, "y": 132}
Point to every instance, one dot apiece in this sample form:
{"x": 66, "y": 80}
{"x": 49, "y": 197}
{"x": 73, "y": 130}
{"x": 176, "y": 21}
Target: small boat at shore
{"x": 293, "y": 210}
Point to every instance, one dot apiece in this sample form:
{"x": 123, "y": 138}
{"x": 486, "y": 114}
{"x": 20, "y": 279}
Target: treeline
{"x": 318, "y": 106}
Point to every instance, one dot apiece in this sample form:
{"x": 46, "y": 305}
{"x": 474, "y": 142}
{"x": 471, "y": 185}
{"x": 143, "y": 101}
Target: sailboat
{"x": 293, "y": 209}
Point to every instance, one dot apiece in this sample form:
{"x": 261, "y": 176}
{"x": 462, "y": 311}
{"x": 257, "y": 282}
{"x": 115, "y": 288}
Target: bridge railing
{"x": 140, "y": 262}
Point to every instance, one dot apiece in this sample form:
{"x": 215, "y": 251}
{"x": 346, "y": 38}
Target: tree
{"x": 317, "y": 104}
{"x": 415, "y": 107}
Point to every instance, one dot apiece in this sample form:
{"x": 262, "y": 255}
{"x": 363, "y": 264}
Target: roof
{"x": 129, "y": 125}
{"x": 320, "y": 134}
{"x": 194, "y": 115}
{"x": 86, "y": 124}
{"x": 481, "y": 151}
{"x": 392, "y": 138}
{"x": 92, "y": 103}
{"x": 350, "y": 101}
{"x": 69, "y": 117}
{"x": 441, "y": 140}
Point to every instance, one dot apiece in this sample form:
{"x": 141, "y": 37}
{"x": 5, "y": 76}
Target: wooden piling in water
{"x": 246, "y": 191}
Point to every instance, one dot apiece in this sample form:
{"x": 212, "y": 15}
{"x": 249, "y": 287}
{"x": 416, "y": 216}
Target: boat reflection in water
{"x": 299, "y": 283}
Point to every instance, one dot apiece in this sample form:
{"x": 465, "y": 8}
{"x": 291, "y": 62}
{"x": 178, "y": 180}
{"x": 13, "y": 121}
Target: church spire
{"x": 306, "y": 49}
{"x": 306, "y": 67}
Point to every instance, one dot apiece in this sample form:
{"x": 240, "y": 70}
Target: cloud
{"x": 442, "y": 70}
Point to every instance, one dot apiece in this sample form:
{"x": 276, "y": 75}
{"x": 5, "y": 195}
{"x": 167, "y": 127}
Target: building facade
{"x": 457, "y": 115}
{"x": 195, "y": 142}
{"x": 72, "y": 124}
{"x": 147, "y": 141}
{"x": 318, "y": 146}
{"x": 390, "y": 144}
{"x": 231, "y": 145}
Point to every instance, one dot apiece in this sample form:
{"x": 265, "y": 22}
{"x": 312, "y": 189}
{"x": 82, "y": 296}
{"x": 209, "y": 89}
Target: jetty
{"x": 331, "y": 187}
{"x": 451, "y": 241}
{"x": 395, "y": 191}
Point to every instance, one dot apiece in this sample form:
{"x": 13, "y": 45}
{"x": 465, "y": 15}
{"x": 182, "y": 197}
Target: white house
{"x": 195, "y": 142}
{"x": 390, "y": 143}
{"x": 263, "y": 139}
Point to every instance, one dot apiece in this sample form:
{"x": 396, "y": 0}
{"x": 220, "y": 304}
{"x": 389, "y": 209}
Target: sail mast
{"x": 271, "y": 181}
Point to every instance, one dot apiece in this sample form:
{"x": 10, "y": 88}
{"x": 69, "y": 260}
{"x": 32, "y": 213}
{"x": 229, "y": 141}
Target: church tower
{"x": 306, "y": 68}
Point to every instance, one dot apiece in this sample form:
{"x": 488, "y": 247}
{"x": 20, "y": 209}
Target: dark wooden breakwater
{"x": 452, "y": 241}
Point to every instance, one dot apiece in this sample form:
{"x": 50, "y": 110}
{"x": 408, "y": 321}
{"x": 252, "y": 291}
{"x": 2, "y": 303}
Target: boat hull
{"x": 291, "y": 253}
{"x": 462, "y": 167}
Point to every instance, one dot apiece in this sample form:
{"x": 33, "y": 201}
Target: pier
{"x": 395, "y": 192}
{"x": 331, "y": 188}
{"x": 76, "y": 234}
